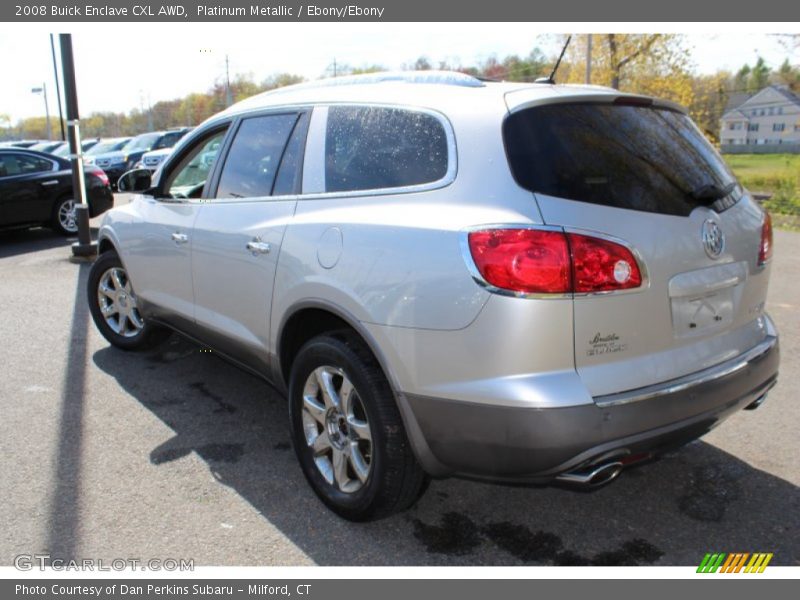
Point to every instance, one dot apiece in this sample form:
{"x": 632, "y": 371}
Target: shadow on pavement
{"x": 64, "y": 510}
{"x": 670, "y": 512}
{"x": 26, "y": 241}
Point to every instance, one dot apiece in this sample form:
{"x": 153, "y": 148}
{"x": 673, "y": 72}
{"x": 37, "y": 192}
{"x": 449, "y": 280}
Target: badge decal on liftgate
{"x": 713, "y": 239}
{"x": 605, "y": 344}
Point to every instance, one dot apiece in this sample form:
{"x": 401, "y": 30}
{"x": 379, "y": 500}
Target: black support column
{"x": 84, "y": 246}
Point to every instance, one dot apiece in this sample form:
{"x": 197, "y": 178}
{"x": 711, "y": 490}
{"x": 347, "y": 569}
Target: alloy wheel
{"x": 118, "y": 303}
{"x": 66, "y": 216}
{"x": 337, "y": 429}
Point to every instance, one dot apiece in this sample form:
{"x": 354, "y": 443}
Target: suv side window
{"x": 368, "y": 148}
{"x": 255, "y": 155}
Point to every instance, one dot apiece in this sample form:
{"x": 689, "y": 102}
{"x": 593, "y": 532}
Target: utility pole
{"x": 589, "y": 59}
{"x": 334, "y": 66}
{"x": 228, "y": 98}
{"x": 58, "y": 90}
{"x": 84, "y": 247}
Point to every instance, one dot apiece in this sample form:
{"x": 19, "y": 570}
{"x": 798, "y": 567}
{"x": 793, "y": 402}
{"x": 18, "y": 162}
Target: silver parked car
{"x": 514, "y": 282}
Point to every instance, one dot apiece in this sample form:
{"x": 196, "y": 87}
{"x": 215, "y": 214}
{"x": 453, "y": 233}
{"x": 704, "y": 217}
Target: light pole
{"x": 43, "y": 90}
{"x": 84, "y": 247}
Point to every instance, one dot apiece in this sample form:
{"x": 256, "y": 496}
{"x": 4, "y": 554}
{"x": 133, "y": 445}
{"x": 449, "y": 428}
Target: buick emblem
{"x": 713, "y": 239}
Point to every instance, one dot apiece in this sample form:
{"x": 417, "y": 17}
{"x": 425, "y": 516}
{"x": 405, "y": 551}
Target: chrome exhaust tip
{"x": 593, "y": 476}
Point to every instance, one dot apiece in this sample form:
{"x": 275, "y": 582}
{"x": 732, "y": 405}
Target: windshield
{"x": 106, "y": 146}
{"x": 142, "y": 142}
{"x": 640, "y": 158}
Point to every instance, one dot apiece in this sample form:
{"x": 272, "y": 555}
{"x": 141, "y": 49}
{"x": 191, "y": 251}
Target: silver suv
{"x": 514, "y": 282}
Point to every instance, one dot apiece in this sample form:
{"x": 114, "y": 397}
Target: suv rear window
{"x": 370, "y": 148}
{"x": 640, "y": 158}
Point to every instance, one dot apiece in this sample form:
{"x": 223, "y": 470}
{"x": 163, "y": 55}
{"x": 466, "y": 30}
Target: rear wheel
{"x": 114, "y": 306}
{"x": 64, "y": 218}
{"x": 347, "y": 431}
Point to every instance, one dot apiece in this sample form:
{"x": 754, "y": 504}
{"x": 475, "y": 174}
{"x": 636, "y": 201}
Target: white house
{"x": 769, "y": 117}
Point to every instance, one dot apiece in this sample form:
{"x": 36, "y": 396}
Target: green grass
{"x": 776, "y": 174}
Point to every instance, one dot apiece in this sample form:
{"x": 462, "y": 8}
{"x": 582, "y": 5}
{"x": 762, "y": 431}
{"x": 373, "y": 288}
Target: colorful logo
{"x": 735, "y": 562}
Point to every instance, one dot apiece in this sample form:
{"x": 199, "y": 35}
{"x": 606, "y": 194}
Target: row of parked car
{"x": 36, "y": 176}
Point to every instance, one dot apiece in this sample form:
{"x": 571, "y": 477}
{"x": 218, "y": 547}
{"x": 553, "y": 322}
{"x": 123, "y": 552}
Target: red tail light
{"x": 552, "y": 262}
{"x": 522, "y": 260}
{"x": 602, "y": 266}
{"x": 99, "y": 173}
{"x": 765, "y": 249}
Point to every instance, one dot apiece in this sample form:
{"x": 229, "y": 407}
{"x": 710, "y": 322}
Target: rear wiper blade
{"x": 711, "y": 192}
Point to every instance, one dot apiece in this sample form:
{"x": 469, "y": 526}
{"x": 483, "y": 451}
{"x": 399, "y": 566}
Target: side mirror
{"x": 137, "y": 180}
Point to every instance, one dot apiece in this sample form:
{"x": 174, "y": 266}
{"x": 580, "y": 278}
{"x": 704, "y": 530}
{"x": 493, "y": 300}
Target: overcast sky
{"x": 120, "y": 66}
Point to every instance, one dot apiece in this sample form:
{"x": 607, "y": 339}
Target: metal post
{"x": 47, "y": 112}
{"x": 58, "y": 89}
{"x": 84, "y": 246}
{"x": 589, "y": 59}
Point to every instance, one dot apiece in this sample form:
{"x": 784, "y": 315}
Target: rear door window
{"x": 23, "y": 164}
{"x": 634, "y": 157}
{"x": 368, "y": 148}
{"x": 254, "y": 156}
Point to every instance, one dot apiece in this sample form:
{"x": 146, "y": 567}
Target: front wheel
{"x": 347, "y": 431}
{"x": 115, "y": 308}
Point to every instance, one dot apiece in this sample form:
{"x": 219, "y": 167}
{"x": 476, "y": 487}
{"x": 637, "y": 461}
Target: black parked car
{"x": 36, "y": 189}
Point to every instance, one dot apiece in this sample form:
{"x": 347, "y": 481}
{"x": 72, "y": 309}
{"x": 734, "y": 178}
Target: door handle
{"x": 51, "y": 182}
{"x": 257, "y": 247}
{"x": 180, "y": 238}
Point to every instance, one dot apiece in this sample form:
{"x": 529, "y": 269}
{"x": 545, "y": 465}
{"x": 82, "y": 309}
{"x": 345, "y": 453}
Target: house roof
{"x": 788, "y": 94}
{"x": 739, "y": 99}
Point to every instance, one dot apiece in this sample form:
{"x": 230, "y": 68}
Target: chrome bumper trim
{"x": 686, "y": 382}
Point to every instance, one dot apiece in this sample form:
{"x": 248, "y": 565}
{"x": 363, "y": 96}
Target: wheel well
{"x": 104, "y": 246}
{"x": 301, "y": 327}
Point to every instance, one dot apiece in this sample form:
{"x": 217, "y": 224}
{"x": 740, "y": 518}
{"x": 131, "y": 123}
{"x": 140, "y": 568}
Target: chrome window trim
{"x": 466, "y": 254}
{"x": 686, "y": 382}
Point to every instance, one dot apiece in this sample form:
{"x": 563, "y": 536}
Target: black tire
{"x": 146, "y": 337}
{"x": 58, "y": 222}
{"x": 395, "y": 480}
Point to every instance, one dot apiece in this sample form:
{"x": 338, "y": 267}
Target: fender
{"x": 419, "y": 445}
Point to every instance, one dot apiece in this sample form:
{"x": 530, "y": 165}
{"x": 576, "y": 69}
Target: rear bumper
{"x": 536, "y": 444}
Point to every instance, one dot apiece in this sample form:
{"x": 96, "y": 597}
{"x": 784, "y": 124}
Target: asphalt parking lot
{"x": 176, "y": 454}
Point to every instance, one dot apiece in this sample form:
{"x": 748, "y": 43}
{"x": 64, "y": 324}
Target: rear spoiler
{"x": 531, "y": 97}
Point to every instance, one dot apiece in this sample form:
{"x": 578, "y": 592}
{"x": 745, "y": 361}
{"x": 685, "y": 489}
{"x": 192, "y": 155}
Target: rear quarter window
{"x": 370, "y": 148}
{"x": 634, "y": 157}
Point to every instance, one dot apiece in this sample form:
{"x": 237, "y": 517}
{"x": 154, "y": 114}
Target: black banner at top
{"x": 779, "y": 11}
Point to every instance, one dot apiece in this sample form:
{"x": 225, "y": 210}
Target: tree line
{"x": 652, "y": 64}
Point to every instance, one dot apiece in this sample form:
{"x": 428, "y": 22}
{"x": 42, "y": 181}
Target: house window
{"x": 754, "y": 112}
{"x": 770, "y": 111}
{"x": 778, "y": 126}
{"x": 752, "y": 127}
{"x": 780, "y": 110}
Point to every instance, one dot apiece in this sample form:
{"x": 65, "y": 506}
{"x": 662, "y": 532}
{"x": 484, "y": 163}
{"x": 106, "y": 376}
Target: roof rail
{"x": 430, "y": 77}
